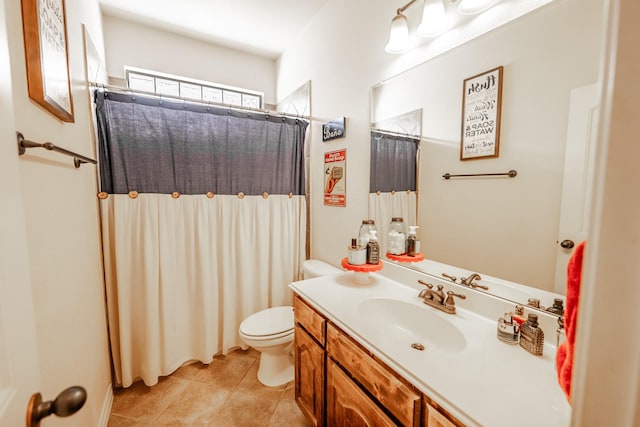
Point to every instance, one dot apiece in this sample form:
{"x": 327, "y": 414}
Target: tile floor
{"x": 224, "y": 393}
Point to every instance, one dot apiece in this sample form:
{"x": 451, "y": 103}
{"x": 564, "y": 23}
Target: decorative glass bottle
{"x": 531, "y": 336}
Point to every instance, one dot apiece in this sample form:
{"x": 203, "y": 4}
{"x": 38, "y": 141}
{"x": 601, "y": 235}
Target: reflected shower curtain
{"x": 384, "y": 206}
{"x": 392, "y": 182}
{"x": 183, "y": 270}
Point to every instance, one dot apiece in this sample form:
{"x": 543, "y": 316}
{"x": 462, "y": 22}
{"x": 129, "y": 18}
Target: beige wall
{"x": 62, "y": 236}
{"x": 141, "y": 46}
{"x": 340, "y": 52}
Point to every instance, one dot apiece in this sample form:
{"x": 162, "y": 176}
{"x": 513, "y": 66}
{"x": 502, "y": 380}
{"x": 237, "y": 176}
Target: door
{"x": 19, "y": 359}
{"x": 577, "y": 185}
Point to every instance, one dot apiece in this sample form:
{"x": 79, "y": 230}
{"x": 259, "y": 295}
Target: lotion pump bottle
{"x": 411, "y": 240}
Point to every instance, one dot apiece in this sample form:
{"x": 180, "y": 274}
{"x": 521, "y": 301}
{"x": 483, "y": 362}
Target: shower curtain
{"x": 203, "y": 222}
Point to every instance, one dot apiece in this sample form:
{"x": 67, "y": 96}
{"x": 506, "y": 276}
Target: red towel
{"x": 564, "y": 355}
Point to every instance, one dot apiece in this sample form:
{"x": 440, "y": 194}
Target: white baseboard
{"x": 106, "y": 407}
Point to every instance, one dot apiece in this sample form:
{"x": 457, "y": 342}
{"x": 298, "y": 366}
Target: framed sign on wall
{"x": 335, "y": 171}
{"x": 46, "y": 51}
{"x": 481, "y": 108}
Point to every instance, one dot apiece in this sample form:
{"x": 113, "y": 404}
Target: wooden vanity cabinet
{"x": 309, "y": 362}
{"x": 360, "y": 390}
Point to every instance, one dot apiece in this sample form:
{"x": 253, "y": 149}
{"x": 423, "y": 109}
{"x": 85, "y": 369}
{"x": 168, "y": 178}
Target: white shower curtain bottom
{"x": 182, "y": 273}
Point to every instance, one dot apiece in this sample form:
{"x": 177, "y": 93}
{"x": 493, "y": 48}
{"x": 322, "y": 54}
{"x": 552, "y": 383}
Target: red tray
{"x": 406, "y": 258}
{"x": 365, "y": 268}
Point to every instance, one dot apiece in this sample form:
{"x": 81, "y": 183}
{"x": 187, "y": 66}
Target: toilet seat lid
{"x": 267, "y": 322}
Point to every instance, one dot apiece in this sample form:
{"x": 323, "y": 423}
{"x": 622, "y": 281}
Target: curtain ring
{"x": 291, "y": 195}
{"x": 408, "y": 191}
{"x": 241, "y": 195}
{"x": 175, "y": 194}
{"x": 210, "y": 194}
{"x": 393, "y": 192}
{"x": 265, "y": 195}
{"x": 378, "y": 193}
{"x": 133, "y": 194}
{"x": 102, "y": 195}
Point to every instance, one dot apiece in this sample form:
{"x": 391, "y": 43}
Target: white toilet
{"x": 270, "y": 331}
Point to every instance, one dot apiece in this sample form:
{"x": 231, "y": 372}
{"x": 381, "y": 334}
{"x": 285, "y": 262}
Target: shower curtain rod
{"x": 196, "y": 101}
{"x": 388, "y": 132}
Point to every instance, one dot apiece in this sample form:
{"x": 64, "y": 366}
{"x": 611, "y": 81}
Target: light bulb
{"x": 434, "y": 19}
{"x": 398, "y": 35}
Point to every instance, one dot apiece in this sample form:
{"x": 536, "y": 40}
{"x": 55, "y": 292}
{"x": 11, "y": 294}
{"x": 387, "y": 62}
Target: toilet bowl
{"x": 270, "y": 331}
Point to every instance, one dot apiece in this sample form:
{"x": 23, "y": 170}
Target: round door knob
{"x": 67, "y": 403}
{"x": 567, "y": 244}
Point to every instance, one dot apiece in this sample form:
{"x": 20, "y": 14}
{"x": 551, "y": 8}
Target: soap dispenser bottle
{"x": 373, "y": 248}
{"x": 532, "y": 336}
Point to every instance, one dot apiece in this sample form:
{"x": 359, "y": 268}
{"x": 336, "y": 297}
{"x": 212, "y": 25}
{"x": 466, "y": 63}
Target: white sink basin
{"x": 409, "y": 323}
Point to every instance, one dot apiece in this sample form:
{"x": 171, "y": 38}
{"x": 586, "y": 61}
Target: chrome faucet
{"x": 469, "y": 281}
{"x": 436, "y": 299}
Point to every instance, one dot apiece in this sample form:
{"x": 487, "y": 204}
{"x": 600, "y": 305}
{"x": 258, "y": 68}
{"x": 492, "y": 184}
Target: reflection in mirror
{"x": 505, "y": 228}
{"x": 392, "y": 183}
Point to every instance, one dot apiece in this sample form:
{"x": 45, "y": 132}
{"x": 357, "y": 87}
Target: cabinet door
{"x": 348, "y": 405}
{"x": 309, "y": 377}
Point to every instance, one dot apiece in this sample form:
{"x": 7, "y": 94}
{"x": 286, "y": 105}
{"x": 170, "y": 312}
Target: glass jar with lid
{"x": 365, "y": 232}
{"x": 397, "y": 236}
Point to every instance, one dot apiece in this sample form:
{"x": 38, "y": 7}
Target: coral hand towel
{"x": 564, "y": 355}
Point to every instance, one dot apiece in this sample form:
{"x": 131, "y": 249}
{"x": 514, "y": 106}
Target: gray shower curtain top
{"x": 393, "y": 162}
{"x": 154, "y": 145}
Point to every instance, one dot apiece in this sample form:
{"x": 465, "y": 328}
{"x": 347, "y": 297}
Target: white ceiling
{"x": 256, "y": 26}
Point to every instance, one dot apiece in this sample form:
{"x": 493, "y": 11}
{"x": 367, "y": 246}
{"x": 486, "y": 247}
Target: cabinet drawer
{"x": 309, "y": 319}
{"x": 392, "y": 393}
{"x": 434, "y": 416}
{"x": 348, "y": 405}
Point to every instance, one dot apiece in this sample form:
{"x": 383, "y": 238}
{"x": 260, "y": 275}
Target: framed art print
{"x": 45, "y": 46}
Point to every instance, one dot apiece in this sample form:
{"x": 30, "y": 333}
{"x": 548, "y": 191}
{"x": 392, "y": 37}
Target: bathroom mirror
{"x": 518, "y": 229}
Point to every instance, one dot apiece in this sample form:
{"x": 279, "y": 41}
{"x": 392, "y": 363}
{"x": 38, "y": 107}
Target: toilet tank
{"x": 316, "y": 268}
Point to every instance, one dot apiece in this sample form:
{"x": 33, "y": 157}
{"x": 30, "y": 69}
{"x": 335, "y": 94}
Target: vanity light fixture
{"x": 434, "y": 21}
{"x": 434, "y": 18}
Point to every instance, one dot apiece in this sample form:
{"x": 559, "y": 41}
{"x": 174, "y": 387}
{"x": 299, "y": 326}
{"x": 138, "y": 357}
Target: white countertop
{"x": 488, "y": 383}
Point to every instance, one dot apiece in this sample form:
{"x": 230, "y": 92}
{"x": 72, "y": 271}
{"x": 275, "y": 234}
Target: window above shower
{"x": 184, "y": 87}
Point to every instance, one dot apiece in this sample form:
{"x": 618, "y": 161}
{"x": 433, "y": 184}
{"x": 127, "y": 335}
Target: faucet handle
{"x": 425, "y": 293}
{"x": 451, "y": 302}
{"x": 450, "y": 277}
{"x": 428, "y": 285}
